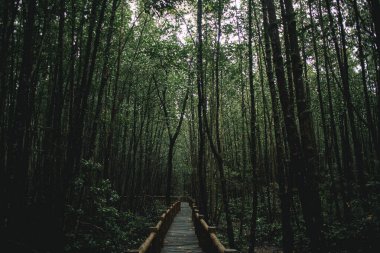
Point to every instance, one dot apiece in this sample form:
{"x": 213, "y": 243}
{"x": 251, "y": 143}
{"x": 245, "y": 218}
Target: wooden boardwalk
{"x": 181, "y": 236}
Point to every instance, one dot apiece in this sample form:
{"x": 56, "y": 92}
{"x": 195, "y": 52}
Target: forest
{"x": 266, "y": 112}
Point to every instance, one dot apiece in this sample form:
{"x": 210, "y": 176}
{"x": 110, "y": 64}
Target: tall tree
{"x": 253, "y": 135}
{"x": 284, "y": 194}
{"x": 201, "y": 130}
{"x": 172, "y": 135}
{"x": 217, "y": 149}
{"x": 308, "y": 185}
{"x": 18, "y": 152}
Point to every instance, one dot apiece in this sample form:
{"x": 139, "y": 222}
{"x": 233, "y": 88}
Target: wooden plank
{"x": 181, "y": 235}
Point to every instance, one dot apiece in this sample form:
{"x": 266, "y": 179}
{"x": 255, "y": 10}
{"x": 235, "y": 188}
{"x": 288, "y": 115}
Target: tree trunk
{"x": 201, "y": 131}
{"x": 323, "y": 115}
{"x": 310, "y": 198}
{"x": 284, "y": 195}
{"x": 104, "y": 80}
{"x": 343, "y": 68}
{"x": 217, "y": 149}
{"x": 305, "y": 182}
{"x": 253, "y": 148}
{"x": 18, "y": 155}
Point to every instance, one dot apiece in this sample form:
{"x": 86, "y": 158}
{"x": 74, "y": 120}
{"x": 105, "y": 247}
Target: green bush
{"x": 95, "y": 224}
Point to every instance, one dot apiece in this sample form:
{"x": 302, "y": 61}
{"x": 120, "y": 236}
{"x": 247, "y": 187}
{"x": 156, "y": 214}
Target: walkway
{"x": 181, "y": 235}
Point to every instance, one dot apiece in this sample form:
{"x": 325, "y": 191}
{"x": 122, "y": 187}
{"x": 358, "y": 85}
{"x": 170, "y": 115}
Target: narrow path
{"x": 181, "y": 235}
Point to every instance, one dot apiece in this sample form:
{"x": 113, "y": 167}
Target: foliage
{"x": 98, "y": 223}
{"x": 83, "y": 129}
{"x": 361, "y": 233}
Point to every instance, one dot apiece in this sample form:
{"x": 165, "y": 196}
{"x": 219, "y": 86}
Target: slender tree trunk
{"x": 74, "y": 147}
{"x": 288, "y": 60}
{"x": 323, "y": 115}
{"x": 305, "y": 181}
{"x": 243, "y": 135}
{"x": 201, "y": 131}
{"x": 10, "y": 10}
{"x": 104, "y": 79}
{"x": 361, "y": 56}
{"x": 51, "y": 183}
{"x": 253, "y": 149}
{"x": 343, "y": 68}
{"x": 333, "y": 129}
{"x": 17, "y": 156}
{"x": 287, "y": 231}
{"x": 217, "y": 149}
{"x": 311, "y": 204}
{"x": 375, "y": 12}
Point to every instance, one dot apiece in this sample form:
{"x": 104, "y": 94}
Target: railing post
{"x": 210, "y": 246}
{"x": 158, "y": 240}
{"x": 207, "y": 234}
{"x": 202, "y": 233}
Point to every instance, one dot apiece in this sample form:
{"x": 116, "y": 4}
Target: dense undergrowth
{"x": 360, "y": 234}
{"x": 96, "y": 221}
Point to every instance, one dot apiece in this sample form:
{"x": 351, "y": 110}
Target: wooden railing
{"x": 153, "y": 243}
{"x": 206, "y": 234}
